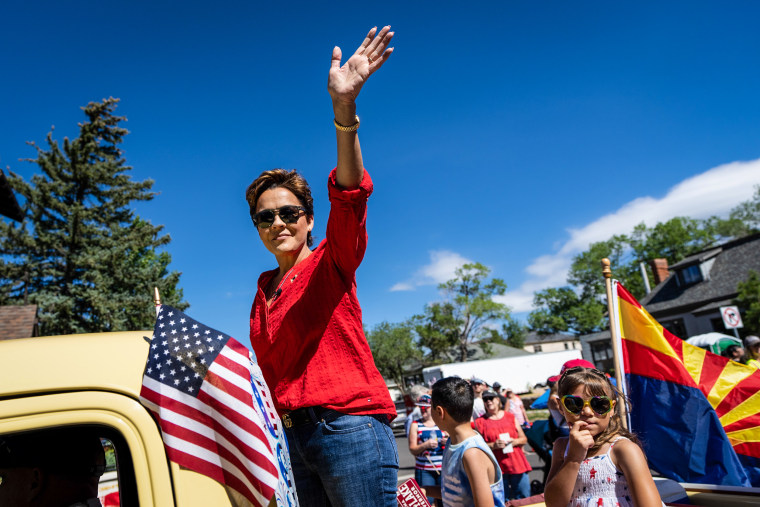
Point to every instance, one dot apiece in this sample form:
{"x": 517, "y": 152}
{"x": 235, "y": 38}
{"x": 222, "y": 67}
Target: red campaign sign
{"x": 410, "y": 495}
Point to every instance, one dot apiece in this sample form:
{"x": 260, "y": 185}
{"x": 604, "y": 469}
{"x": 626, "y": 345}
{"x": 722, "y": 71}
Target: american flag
{"x": 215, "y": 410}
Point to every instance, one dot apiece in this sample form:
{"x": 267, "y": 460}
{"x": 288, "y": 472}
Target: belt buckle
{"x": 287, "y": 421}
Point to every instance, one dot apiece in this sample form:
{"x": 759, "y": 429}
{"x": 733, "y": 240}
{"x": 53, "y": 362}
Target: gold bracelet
{"x": 347, "y": 128}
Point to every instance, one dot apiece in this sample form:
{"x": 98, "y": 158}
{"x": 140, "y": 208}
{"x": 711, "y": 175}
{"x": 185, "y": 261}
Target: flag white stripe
{"x": 239, "y": 433}
{"x": 205, "y": 431}
{"x": 214, "y": 459}
{"x": 230, "y": 401}
{"x": 237, "y": 357}
{"x": 232, "y": 377}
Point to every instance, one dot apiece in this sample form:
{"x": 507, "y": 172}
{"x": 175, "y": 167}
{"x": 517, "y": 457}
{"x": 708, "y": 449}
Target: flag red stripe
{"x": 748, "y": 449}
{"x": 235, "y": 367}
{"x": 743, "y": 390}
{"x": 205, "y": 420}
{"x": 215, "y": 472}
{"x": 675, "y": 343}
{"x": 743, "y": 424}
{"x": 641, "y": 360}
{"x": 238, "y": 347}
{"x": 215, "y": 379}
{"x": 712, "y": 367}
{"x": 214, "y": 447}
{"x": 229, "y": 412}
{"x": 624, "y": 294}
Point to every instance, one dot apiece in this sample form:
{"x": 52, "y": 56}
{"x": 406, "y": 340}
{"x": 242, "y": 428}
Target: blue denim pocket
{"x": 347, "y": 424}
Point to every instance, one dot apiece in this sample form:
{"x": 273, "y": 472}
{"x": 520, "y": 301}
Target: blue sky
{"x": 509, "y": 133}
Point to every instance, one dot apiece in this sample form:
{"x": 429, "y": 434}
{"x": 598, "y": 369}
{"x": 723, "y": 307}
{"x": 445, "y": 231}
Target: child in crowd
{"x": 600, "y": 463}
{"x": 470, "y": 473}
{"x": 426, "y": 443}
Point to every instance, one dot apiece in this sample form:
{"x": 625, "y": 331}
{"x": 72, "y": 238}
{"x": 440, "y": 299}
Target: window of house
{"x": 718, "y": 325}
{"x": 567, "y": 346}
{"x": 676, "y": 327}
{"x": 691, "y": 275}
{"x": 601, "y": 355}
{"x": 536, "y": 348}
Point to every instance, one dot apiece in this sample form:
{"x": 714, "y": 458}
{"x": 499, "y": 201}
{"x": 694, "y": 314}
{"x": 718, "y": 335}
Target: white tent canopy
{"x": 714, "y": 342}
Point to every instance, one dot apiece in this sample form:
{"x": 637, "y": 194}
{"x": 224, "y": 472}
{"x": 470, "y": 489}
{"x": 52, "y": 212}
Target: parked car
{"x": 399, "y": 423}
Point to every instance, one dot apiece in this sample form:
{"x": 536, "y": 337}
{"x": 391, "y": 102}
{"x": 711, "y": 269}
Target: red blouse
{"x": 513, "y": 462}
{"x": 309, "y": 343}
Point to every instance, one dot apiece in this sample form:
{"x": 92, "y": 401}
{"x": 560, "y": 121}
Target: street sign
{"x": 732, "y": 319}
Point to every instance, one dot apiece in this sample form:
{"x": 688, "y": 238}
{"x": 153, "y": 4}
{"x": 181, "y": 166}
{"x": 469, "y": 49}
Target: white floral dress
{"x": 600, "y": 483}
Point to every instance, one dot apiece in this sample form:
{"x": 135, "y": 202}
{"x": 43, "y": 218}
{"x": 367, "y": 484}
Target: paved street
{"x": 406, "y": 462}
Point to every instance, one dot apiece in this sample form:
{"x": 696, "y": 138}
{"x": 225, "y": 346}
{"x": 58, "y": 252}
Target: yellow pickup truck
{"x": 93, "y": 381}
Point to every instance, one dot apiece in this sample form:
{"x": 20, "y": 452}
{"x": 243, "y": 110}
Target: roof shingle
{"x": 732, "y": 265}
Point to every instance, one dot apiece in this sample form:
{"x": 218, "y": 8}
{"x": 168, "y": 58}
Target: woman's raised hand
{"x": 344, "y": 83}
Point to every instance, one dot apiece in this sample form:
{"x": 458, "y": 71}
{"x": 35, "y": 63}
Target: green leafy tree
{"x": 585, "y": 271}
{"x": 579, "y": 307}
{"x": 748, "y": 213}
{"x": 82, "y": 255}
{"x": 437, "y": 331}
{"x": 748, "y": 301}
{"x": 468, "y": 313}
{"x": 562, "y": 310}
{"x": 513, "y": 333}
{"x": 394, "y": 350}
{"x": 673, "y": 240}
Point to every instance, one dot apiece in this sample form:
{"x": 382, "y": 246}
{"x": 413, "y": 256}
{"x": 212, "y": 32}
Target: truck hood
{"x": 98, "y": 361}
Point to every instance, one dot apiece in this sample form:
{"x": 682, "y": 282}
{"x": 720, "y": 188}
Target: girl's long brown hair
{"x": 596, "y": 383}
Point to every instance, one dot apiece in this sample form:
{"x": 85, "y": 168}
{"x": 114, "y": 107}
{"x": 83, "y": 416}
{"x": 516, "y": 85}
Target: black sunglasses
{"x": 288, "y": 214}
{"x": 601, "y": 405}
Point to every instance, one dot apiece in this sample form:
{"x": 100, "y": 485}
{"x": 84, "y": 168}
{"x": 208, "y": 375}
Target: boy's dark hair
{"x": 456, "y": 396}
{"x": 730, "y": 350}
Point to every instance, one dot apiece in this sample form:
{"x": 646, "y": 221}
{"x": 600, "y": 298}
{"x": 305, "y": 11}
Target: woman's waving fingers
{"x": 375, "y": 47}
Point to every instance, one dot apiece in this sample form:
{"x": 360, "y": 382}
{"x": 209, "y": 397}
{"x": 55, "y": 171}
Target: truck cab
{"x": 93, "y": 381}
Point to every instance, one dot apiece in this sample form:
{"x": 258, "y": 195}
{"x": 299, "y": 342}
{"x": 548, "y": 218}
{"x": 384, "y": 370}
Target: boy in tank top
{"x": 470, "y": 472}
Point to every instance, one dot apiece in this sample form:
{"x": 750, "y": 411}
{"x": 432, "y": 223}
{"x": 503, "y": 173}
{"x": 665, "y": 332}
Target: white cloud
{"x": 714, "y": 192}
{"x": 441, "y": 268}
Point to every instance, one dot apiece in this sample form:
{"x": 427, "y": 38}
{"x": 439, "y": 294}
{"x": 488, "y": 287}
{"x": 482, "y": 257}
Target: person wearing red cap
{"x": 558, "y": 426}
{"x": 576, "y": 362}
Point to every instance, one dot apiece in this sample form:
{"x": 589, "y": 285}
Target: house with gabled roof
{"x": 555, "y": 342}
{"x": 688, "y": 295}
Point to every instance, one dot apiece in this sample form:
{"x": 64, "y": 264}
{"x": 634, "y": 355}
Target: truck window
{"x": 77, "y": 462}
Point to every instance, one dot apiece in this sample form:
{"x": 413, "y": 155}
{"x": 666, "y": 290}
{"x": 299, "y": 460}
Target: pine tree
{"x": 82, "y": 254}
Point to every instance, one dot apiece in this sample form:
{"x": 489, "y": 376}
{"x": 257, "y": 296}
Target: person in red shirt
{"x": 506, "y": 438}
{"x": 306, "y": 323}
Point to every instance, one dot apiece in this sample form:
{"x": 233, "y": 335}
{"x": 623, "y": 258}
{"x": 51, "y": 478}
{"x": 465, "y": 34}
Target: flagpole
{"x": 156, "y": 299}
{"x": 607, "y": 272}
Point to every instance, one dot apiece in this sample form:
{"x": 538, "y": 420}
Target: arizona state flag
{"x": 698, "y": 413}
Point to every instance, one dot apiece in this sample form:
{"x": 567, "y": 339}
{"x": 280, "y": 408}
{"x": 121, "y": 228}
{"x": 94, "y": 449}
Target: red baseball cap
{"x": 575, "y": 363}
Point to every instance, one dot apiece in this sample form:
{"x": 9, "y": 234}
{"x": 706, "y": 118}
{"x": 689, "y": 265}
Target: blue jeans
{"x": 344, "y": 460}
{"x": 516, "y": 486}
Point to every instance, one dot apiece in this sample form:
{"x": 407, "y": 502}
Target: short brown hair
{"x": 289, "y": 180}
